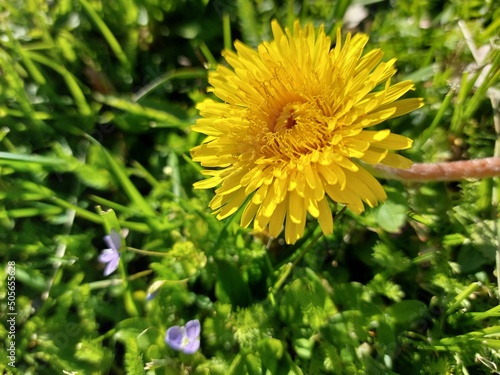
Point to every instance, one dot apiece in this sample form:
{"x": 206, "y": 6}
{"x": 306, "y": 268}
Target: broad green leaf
{"x": 230, "y": 284}
{"x": 404, "y": 312}
{"x": 391, "y": 216}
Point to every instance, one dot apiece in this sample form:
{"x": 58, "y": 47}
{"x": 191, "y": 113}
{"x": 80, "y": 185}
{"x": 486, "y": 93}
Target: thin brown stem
{"x": 444, "y": 171}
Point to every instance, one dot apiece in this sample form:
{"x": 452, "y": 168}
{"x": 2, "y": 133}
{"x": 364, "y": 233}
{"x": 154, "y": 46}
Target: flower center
{"x": 287, "y": 119}
{"x": 300, "y": 129}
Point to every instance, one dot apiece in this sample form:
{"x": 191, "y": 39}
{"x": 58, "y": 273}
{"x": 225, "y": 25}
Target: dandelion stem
{"x": 444, "y": 171}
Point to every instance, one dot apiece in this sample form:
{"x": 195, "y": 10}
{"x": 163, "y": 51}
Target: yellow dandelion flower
{"x": 291, "y": 126}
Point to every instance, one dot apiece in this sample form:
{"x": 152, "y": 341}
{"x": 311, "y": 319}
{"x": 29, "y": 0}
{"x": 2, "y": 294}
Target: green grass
{"x": 96, "y": 103}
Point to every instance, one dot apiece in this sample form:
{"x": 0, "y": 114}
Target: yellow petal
{"x": 325, "y": 217}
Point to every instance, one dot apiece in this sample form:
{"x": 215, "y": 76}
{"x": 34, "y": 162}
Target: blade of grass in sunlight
{"x": 4, "y": 111}
{"x": 491, "y": 79}
{"x": 87, "y": 215}
{"x": 164, "y": 78}
{"x": 461, "y": 296}
{"x": 15, "y": 83}
{"x": 128, "y": 211}
{"x": 144, "y": 173}
{"x": 37, "y": 159}
{"x": 40, "y": 209}
{"x": 73, "y": 86}
{"x": 28, "y": 63}
{"x": 164, "y": 119}
{"x": 212, "y": 62}
{"x": 129, "y": 188}
{"x": 466, "y": 85}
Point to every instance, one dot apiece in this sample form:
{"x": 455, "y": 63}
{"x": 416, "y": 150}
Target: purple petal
{"x": 112, "y": 265}
{"x": 113, "y": 240}
{"x": 106, "y": 256}
{"x": 175, "y": 336}
{"x": 192, "y": 346}
{"x": 193, "y": 329}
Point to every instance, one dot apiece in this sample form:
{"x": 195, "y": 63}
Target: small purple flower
{"x": 184, "y": 338}
{"x": 111, "y": 256}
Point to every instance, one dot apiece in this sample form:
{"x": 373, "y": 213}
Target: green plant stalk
{"x": 16, "y": 113}
{"x": 426, "y": 134}
{"x": 491, "y": 313}
{"x": 235, "y": 364}
{"x": 187, "y": 73}
{"x": 466, "y": 85}
{"x": 106, "y": 32}
{"x": 30, "y": 67}
{"x": 129, "y": 188}
{"x": 140, "y": 110}
{"x": 226, "y": 31}
{"x": 90, "y": 216}
{"x": 33, "y": 211}
{"x": 175, "y": 177}
{"x": 102, "y": 284}
{"x": 289, "y": 266}
{"x": 115, "y": 206}
{"x": 16, "y": 83}
{"x": 71, "y": 83}
{"x": 290, "y": 11}
{"x": 147, "y": 252}
{"x": 144, "y": 173}
{"x": 489, "y": 81}
{"x": 212, "y": 62}
{"x": 461, "y": 296}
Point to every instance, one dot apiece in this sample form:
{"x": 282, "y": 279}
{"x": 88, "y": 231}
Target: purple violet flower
{"x": 111, "y": 256}
{"x": 184, "y": 338}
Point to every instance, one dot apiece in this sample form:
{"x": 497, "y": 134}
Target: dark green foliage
{"x": 96, "y": 102}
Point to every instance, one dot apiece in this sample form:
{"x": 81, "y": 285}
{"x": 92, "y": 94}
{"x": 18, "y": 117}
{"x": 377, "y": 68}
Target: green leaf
{"x": 271, "y": 351}
{"x": 303, "y": 347}
{"x": 133, "y": 358}
{"x": 230, "y": 284}
{"x": 89, "y": 351}
{"x": 253, "y": 364}
{"x": 407, "y": 311}
{"x": 391, "y": 216}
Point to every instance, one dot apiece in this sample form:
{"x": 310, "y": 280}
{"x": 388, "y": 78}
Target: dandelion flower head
{"x": 286, "y": 138}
